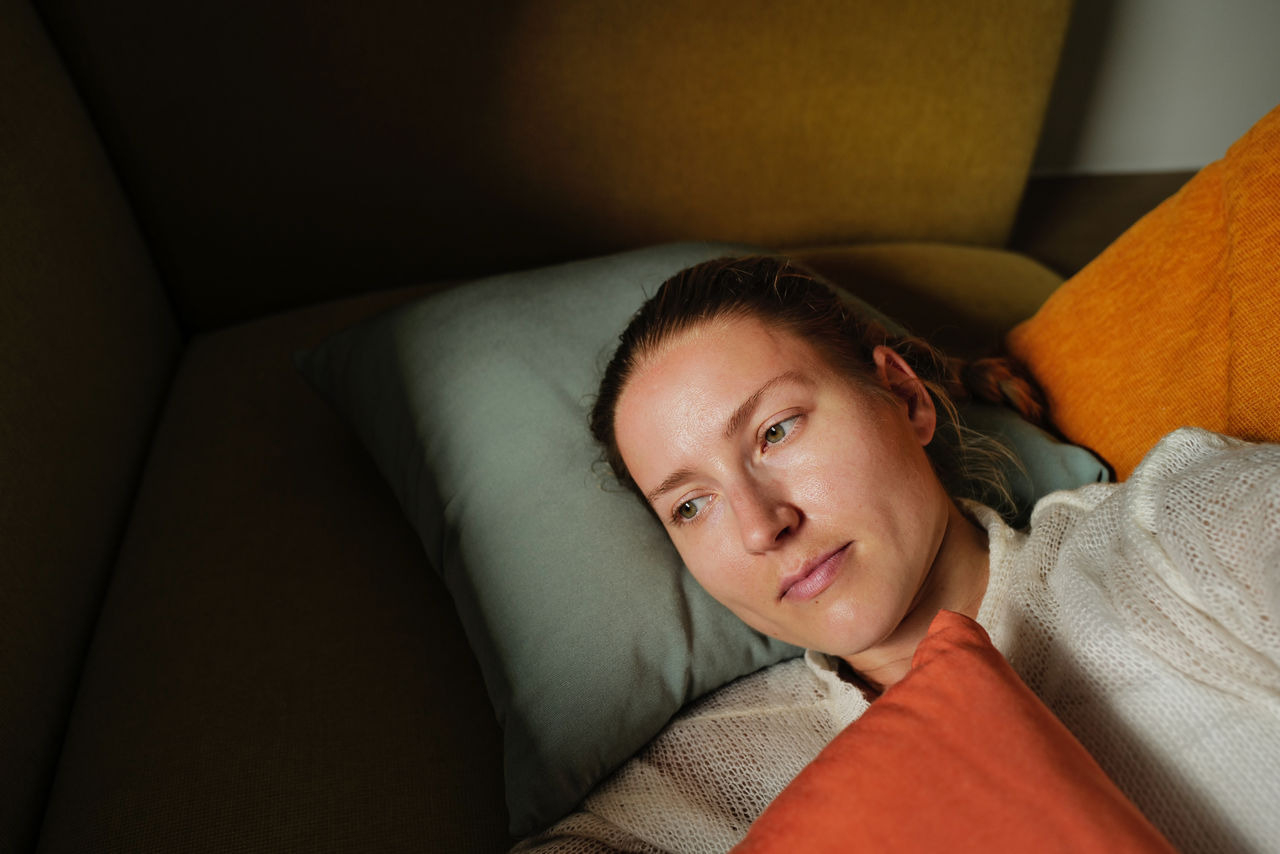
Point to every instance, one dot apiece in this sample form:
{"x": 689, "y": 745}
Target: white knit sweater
{"x": 1146, "y": 615}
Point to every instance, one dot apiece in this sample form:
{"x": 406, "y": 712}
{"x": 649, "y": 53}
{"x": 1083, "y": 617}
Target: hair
{"x": 783, "y": 294}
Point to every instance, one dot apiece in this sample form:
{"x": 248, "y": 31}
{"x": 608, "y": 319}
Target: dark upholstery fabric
{"x": 277, "y": 667}
{"x": 287, "y": 151}
{"x": 1067, "y": 220}
{"x": 86, "y": 348}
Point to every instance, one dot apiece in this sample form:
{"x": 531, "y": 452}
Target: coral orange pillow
{"x": 1176, "y": 322}
{"x": 958, "y": 756}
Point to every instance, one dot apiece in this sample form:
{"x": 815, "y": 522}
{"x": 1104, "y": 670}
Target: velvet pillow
{"x": 958, "y": 756}
{"x": 473, "y": 403}
{"x": 1175, "y": 323}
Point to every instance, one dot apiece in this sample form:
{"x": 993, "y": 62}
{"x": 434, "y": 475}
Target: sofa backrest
{"x": 87, "y": 344}
{"x": 282, "y": 152}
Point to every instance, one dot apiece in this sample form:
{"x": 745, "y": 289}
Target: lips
{"x": 815, "y": 576}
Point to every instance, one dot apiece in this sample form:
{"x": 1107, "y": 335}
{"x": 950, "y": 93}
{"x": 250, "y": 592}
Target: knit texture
{"x": 1146, "y": 615}
{"x": 700, "y": 784}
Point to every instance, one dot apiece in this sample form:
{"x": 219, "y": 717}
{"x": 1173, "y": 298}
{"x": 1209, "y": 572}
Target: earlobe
{"x": 896, "y": 375}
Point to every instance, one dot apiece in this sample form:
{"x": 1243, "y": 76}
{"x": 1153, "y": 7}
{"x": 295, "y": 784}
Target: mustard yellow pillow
{"x": 1175, "y": 324}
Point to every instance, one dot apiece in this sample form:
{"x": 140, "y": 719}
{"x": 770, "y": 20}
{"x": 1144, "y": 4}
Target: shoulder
{"x": 1195, "y": 530}
{"x": 1195, "y": 474}
{"x": 1190, "y": 455}
{"x": 1192, "y": 448}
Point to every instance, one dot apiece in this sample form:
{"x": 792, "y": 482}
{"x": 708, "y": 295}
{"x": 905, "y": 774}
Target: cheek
{"x": 821, "y": 483}
{"x": 711, "y": 562}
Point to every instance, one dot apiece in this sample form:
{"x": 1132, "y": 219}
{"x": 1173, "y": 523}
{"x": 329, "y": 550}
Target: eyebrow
{"x": 732, "y": 427}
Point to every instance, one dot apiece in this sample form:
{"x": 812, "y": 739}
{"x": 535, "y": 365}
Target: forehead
{"x": 720, "y": 355}
{"x": 685, "y": 390}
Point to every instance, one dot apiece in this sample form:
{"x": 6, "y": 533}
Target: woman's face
{"x": 799, "y": 498}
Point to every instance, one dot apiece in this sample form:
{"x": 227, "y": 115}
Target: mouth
{"x": 813, "y": 577}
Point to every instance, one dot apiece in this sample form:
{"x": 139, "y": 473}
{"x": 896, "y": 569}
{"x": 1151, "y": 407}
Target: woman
{"x": 804, "y": 462}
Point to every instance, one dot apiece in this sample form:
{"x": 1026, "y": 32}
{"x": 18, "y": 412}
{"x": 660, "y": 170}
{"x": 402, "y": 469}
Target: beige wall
{"x": 1160, "y": 85}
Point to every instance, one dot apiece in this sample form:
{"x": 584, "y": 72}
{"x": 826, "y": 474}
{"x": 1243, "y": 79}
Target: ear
{"x": 896, "y": 375}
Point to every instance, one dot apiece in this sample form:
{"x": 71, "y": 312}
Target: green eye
{"x": 691, "y": 508}
{"x": 779, "y": 431}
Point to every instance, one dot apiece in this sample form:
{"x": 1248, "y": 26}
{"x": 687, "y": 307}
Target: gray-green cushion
{"x": 591, "y": 636}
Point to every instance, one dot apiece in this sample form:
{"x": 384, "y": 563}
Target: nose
{"x": 765, "y": 517}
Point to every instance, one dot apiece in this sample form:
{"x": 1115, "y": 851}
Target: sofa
{"x": 217, "y": 630}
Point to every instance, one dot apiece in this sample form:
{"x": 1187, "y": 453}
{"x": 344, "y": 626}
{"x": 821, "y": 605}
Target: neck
{"x": 957, "y": 582}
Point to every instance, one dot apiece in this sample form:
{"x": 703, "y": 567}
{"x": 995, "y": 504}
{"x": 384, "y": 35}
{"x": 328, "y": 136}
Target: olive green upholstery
{"x": 277, "y": 152}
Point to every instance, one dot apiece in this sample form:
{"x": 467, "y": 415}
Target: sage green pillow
{"x": 590, "y": 634}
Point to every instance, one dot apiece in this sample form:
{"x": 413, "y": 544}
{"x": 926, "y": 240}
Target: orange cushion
{"x": 958, "y": 756}
{"x": 1174, "y": 324}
